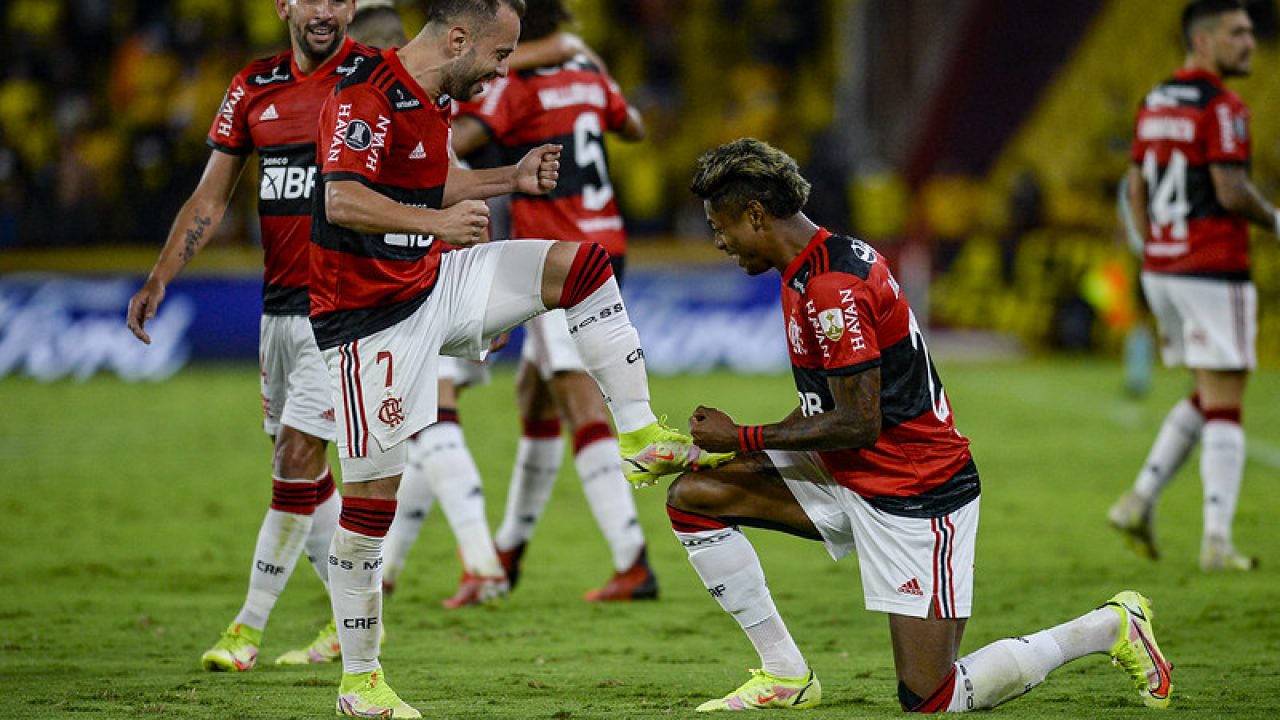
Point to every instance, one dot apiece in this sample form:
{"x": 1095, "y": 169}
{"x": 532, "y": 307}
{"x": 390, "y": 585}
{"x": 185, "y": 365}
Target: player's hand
{"x": 143, "y": 306}
{"x": 713, "y": 430}
{"x": 539, "y": 170}
{"x": 499, "y": 341}
{"x": 463, "y": 224}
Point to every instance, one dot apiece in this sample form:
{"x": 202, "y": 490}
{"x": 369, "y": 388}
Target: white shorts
{"x": 385, "y": 383}
{"x": 1204, "y": 323}
{"x": 549, "y": 347}
{"x": 295, "y": 382}
{"x": 909, "y": 565}
{"x": 463, "y": 372}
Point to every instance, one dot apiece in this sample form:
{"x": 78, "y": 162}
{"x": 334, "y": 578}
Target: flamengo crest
{"x": 391, "y": 413}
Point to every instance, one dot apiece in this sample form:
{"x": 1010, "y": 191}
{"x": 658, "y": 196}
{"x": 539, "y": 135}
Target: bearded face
{"x": 319, "y": 26}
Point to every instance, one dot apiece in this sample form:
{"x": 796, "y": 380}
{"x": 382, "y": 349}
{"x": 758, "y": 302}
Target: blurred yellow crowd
{"x": 105, "y": 103}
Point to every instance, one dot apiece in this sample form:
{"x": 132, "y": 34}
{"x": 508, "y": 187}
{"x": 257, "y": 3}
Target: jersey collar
{"x": 410, "y": 82}
{"x": 1197, "y": 74}
{"x": 793, "y": 267}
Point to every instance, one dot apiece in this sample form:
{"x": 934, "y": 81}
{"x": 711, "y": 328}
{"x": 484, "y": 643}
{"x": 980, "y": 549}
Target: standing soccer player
{"x": 271, "y": 107}
{"x": 386, "y": 302}
{"x": 1192, "y": 201}
{"x": 573, "y": 103}
{"x": 871, "y": 460}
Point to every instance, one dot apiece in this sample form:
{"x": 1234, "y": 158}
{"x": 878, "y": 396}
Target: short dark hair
{"x": 736, "y": 173}
{"x": 446, "y": 11}
{"x": 542, "y": 18}
{"x": 378, "y": 26}
{"x": 1198, "y": 11}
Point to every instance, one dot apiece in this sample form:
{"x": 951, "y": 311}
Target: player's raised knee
{"x": 587, "y": 270}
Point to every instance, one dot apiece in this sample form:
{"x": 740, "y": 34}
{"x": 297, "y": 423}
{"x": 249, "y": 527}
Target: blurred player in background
{"x": 271, "y": 107}
{"x": 572, "y": 102}
{"x": 1192, "y": 201}
{"x": 386, "y": 301}
{"x": 377, "y": 24}
{"x": 440, "y": 463}
{"x": 871, "y": 460}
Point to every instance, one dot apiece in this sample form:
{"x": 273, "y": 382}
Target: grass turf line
{"x": 130, "y": 513}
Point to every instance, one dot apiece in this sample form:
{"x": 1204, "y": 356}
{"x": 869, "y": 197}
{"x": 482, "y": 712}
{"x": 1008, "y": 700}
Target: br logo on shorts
{"x": 391, "y": 413}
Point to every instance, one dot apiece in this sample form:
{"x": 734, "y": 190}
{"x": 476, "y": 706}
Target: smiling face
{"x": 316, "y": 27}
{"x": 488, "y": 47}
{"x": 738, "y": 237}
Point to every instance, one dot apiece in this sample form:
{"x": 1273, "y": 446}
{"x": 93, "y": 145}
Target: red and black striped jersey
{"x": 1185, "y": 125}
{"x": 573, "y": 105}
{"x": 380, "y": 129}
{"x": 845, "y": 314}
{"x": 271, "y": 107}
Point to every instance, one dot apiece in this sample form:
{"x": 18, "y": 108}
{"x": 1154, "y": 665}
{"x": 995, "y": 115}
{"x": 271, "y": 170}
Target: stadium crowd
{"x": 104, "y": 103}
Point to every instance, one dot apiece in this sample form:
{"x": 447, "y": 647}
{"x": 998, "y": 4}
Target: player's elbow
{"x": 853, "y": 435}
{"x": 1231, "y": 198}
{"x": 338, "y": 205}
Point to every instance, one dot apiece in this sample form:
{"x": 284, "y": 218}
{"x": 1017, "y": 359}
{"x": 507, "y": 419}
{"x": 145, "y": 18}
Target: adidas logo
{"x": 269, "y": 114}
{"x": 911, "y": 587}
{"x": 418, "y": 153}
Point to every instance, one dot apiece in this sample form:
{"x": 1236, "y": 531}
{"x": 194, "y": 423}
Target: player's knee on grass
{"x": 937, "y": 701}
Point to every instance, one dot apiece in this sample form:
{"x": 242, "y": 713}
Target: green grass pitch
{"x": 129, "y": 513}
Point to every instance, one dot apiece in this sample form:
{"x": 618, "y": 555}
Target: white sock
{"x": 610, "y": 498}
{"x": 1178, "y": 434}
{"x": 610, "y": 348}
{"x": 356, "y": 592}
{"x": 730, "y": 570}
{"x": 1222, "y": 455}
{"x": 280, "y": 540}
{"x": 413, "y": 503}
{"x": 454, "y": 478}
{"x": 323, "y": 522}
{"x": 532, "y": 477}
{"x": 1008, "y": 668}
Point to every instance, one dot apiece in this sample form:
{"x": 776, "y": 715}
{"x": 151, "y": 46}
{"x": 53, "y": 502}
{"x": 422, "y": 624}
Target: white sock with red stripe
{"x": 606, "y": 340}
{"x": 355, "y": 579}
{"x": 1178, "y": 434}
{"x": 1222, "y": 456}
{"x": 538, "y": 457}
{"x": 596, "y": 458}
{"x": 1010, "y": 667}
{"x": 280, "y": 539}
{"x": 454, "y": 478}
{"x": 414, "y": 501}
{"x": 729, "y": 568}
{"x": 323, "y": 522}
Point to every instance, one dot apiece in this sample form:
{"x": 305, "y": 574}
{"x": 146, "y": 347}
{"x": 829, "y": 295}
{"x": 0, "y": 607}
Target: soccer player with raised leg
{"x": 1192, "y": 202}
{"x": 271, "y": 108}
{"x": 386, "y": 302}
{"x": 871, "y": 460}
{"x": 552, "y": 382}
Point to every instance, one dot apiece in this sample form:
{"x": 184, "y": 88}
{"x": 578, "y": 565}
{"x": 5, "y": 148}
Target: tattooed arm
{"x": 854, "y": 423}
{"x": 191, "y": 230}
